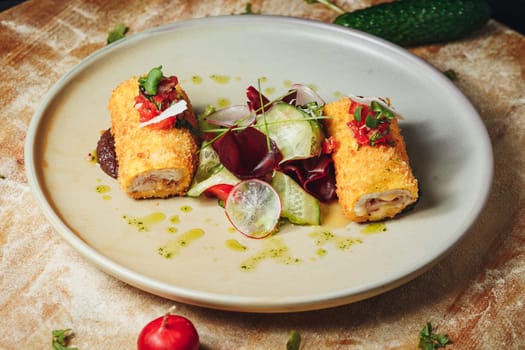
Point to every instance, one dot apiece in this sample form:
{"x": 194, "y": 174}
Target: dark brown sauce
{"x": 106, "y": 156}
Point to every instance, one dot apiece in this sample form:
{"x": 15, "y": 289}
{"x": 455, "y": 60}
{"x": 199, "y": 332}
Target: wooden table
{"x": 476, "y": 294}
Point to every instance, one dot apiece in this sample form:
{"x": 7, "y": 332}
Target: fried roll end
{"x": 153, "y": 163}
{"x": 372, "y": 182}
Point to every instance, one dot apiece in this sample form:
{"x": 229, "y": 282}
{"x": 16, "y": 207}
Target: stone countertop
{"x": 475, "y": 294}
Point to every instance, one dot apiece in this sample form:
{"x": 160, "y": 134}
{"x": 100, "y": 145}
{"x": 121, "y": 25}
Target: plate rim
{"x": 217, "y": 300}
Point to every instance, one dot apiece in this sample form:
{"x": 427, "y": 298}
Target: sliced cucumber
{"x": 297, "y": 135}
{"x": 210, "y": 172}
{"x": 298, "y": 206}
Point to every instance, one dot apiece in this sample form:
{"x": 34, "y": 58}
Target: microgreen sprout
{"x": 357, "y": 113}
{"x": 268, "y": 144}
{"x": 149, "y": 83}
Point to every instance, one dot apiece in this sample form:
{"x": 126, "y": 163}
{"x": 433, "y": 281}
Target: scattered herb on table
{"x": 248, "y": 10}
{"x": 294, "y": 340}
{"x": 428, "y": 340}
{"x": 451, "y": 74}
{"x": 61, "y": 338}
{"x": 117, "y": 33}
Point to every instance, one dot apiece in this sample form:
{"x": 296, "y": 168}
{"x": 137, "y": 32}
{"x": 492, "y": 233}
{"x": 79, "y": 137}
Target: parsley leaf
{"x": 117, "y": 33}
{"x": 451, "y": 74}
{"x": 150, "y": 82}
{"x": 294, "y": 341}
{"x": 428, "y": 340}
{"x": 61, "y": 338}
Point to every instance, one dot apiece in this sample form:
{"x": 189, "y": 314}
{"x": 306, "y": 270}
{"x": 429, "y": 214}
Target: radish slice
{"x": 169, "y": 112}
{"x": 306, "y": 95}
{"x": 253, "y": 208}
{"x": 237, "y": 115}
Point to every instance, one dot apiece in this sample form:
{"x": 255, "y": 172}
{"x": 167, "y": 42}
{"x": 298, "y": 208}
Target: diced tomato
{"x": 220, "y": 191}
{"x": 365, "y": 135}
{"x": 329, "y": 145}
{"x": 150, "y": 107}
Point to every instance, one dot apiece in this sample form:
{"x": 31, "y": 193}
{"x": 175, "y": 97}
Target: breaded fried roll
{"x": 155, "y": 160}
{"x": 374, "y": 180}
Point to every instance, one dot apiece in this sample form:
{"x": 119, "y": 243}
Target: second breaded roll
{"x": 153, "y": 163}
{"x": 373, "y": 181}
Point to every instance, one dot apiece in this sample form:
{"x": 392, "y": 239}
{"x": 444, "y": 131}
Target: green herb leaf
{"x": 294, "y": 340}
{"x": 428, "y": 340}
{"x": 381, "y": 110}
{"x": 451, "y": 74}
{"x": 151, "y": 81}
{"x": 314, "y": 110}
{"x": 248, "y": 10}
{"x": 117, "y": 33}
{"x": 357, "y": 113}
{"x": 371, "y": 122}
{"x": 61, "y": 338}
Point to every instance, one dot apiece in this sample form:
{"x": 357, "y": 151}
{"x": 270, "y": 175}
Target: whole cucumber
{"x": 419, "y": 22}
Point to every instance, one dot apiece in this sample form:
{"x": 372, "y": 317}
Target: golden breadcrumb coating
{"x": 152, "y": 163}
{"x": 369, "y": 177}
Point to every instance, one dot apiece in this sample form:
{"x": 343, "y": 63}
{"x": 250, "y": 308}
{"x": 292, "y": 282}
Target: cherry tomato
{"x": 219, "y": 191}
{"x": 169, "y": 332}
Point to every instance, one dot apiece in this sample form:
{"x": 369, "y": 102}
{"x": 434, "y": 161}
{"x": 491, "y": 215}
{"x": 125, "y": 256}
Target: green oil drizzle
{"x": 322, "y": 237}
{"x": 269, "y": 91}
{"x": 272, "y": 249}
{"x": 374, "y": 228}
{"x": 196, "y": 79}
{"x": 223, "y": 102}
{"x": 186, "y": 208}
{"x": 173, "y": 247}
{"x": 235, "y": 245}
{"x": 321, "y": 252}
{"x": 220, "y": 79}
{"x": 143, "y": 224}
{"x": 172, "y": 229}
{"x": 287, "y": 83}
{"x": 101, "y": 189}
{"x": 92, "y": 157}
{"x": 175, "y": 219}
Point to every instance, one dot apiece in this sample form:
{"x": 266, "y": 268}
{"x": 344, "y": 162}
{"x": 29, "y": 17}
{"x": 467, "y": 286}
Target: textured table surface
{"x": 476, "y": 294}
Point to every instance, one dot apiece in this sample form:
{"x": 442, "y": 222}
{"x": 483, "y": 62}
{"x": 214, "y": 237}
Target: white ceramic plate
{"x": 216, "y": 59}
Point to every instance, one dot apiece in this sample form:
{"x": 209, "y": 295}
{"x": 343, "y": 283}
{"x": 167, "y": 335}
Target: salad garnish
{"x": 160, "y": 103}
{"x": 272, "y": 147}
{"x": 371, "y": 123}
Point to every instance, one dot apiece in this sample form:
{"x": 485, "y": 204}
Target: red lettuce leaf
{"x": 254, "y": 100}
{"x": 245, "y": 153}
{"x": 315, "y": 175}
